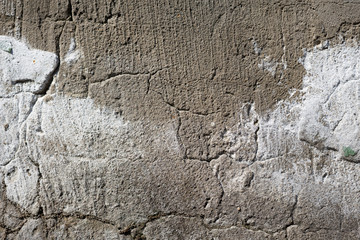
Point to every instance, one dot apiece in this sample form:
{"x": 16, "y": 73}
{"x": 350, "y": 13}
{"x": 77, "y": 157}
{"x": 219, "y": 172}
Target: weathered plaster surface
{"x": 324, "y": 116}
{"x": 179, "y": 120}
{"x": 329, "y": 116}
{"x": 24, "y": 69}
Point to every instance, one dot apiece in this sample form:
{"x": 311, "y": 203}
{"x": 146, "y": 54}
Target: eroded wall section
{"x": 179, "y": 119}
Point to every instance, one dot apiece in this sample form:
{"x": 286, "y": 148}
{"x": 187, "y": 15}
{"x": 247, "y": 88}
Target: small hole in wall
{"x": 119, "y": 112}
{"x": 41, "y": 211}
{"x": 317, "y": 41}
{"x": 11, "y": 171}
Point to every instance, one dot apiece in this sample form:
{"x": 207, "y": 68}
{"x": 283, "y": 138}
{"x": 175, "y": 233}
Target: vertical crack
{"x": 70, "y": 11}
{"x": 292, "y": 215}
{"x": 219, "y": 206}
{"x": 256, "y": 140}
{"x": 178, "y": 137}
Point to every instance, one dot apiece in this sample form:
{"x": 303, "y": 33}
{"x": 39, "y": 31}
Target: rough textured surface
{"x": 329, "y": 118}
{"x": 24, "y": 69}
{"x": 179, "y": 119}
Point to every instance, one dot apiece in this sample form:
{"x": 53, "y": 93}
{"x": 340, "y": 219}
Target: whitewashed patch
{"x": 326, "y": 117}
{"x": 23, "y": 69}
{"x": 21, "y": 181}
{"x": 24, "y": 72}
{"x": 77, "y": 128}
{"x": 73, "y": 55}
{"x": 267, "y": 63}
{"x": 329, "y": 116}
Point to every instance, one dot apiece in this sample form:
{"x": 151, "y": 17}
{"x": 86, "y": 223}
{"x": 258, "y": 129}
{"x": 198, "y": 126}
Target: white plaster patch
{"x": 60, "y": 130}
{"x": 71, "y": 127}
{"x": 242, "y": 138}
{"x": 77, "y": 128}
{"x": 267, "y": 63}
{"x": 14, "y": 112}
{"x": 327, "y": 114}
{"x": 23, "y": 69}
{"x": 21, "y": 179}
{"x": 278, "y": 132}
{"x": 6, "y": 46}
{"x": 23, "y": 72}
{"x": 257, "y": 49}
{"x": 73, "y": 55}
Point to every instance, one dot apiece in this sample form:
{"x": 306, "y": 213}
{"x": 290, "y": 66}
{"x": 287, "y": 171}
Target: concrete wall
{"x": 179, "y": 119}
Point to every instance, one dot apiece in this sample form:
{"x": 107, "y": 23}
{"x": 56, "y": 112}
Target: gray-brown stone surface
{"x": 146, "y": 119}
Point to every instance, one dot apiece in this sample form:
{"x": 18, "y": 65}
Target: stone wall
{"x": 146, "y": 119}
